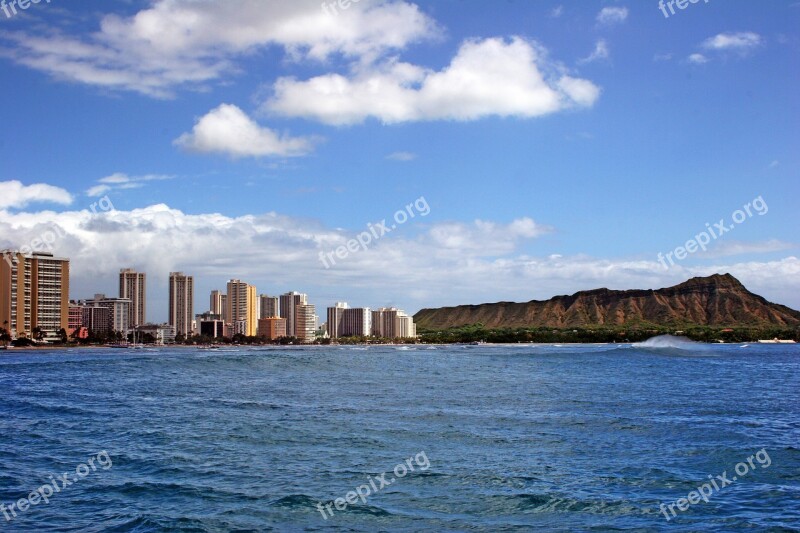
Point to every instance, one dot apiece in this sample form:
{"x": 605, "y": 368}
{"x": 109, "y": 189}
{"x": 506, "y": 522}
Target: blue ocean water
{"x": 500, "y": 438}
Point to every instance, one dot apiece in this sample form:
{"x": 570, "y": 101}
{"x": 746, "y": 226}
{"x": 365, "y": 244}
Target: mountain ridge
{"x": 717, "y": 300}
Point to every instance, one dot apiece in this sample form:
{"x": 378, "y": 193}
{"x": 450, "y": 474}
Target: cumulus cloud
{"x": 612, "y": 15}
{"x": 489, "y": 77}
{"x": 741, "y": 41}
{"x": 14, "y": 194}
{"x": 420, "y": 264}
{"x": 120, "y": 180}
{"x": 228, "y": 130}
{"x": 189, "y": 43}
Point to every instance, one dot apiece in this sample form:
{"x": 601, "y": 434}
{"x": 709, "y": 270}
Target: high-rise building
{"x": 305, "y": 322}
{"x": 288, "y": 310}
{"x": 271, "y": 328}
{"x": 241, "y": 305}
{"x": 392, "y": 323}
{"x": 119, "y": 313}
{"x": 217, "y": 305}
{"x": 181, "y": 302}
{"x": 335, "y": 316}
{"x": 96, "y": 318}
{"x": 356, "y": 322}
{"x": 133, "y": 286}
{"x": 270, "y": 306}
{"x": 344, "y": 321}
{"x": 34, "y": 293}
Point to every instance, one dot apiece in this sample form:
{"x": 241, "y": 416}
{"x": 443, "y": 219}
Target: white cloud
{"x": 557, "y": 11}
{"x": 600, "y": 52}
{"x": 97, "y": 190}
{"x": 483, "y": 238}
{"x": 176, "y": 43}
{"x": 14, "y": 194}
{"x": 731, "y": 248}
{"x": 228, "y": 130}
{"x": 421, "y": 264}
{"x": 490, "y": 77}
{"x": 741, "y": 41}
{"x": 698, "y": 59}
{"x": 612, "y": 15}
{"x": 402, "y": 156}
{"x": 123, "y": 181}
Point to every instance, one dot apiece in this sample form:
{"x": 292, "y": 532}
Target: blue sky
{"x": 560, "y": 146}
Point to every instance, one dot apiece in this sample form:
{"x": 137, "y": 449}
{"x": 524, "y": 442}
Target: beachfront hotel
{"x": 117, "y": 319}
{"x": 289, "y": 303}
{"x": 133, "y": 286}
{"x": 344, "y": 321}
{"x": 392, "y": 323}
{"x": 34, "y": 294}
{"x": 241, "y": 308}
{"x": 181, "y": 303}
{"x": 306, "y": 323}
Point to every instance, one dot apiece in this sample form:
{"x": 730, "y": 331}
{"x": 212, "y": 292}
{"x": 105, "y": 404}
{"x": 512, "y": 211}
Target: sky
{"x": 480, "y": 151}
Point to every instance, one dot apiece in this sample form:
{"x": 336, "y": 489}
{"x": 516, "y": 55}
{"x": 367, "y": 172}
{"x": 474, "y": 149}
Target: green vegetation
{"x": 631, "y": 333}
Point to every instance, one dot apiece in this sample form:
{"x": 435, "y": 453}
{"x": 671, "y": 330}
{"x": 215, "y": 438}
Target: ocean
{"x": 412, "y": 438}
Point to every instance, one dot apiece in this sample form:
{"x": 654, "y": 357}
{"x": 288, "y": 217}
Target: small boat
{"x": 776, "y": 341}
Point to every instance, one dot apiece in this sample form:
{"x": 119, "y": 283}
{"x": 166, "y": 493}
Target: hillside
{"x": 718, "y": 300}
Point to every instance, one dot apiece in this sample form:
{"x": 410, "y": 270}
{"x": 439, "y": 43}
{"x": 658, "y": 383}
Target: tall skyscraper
{"x": 181, "y": 302}
{"x": 288, "y": 310}
{"x": 34, "y": 293}
{"x": 216, "y": 306}
{"x": 241, "y": 307}
{"x": 270, "y": 306}
{"x": 133, "y": 286}
{"x": 305, "y": 323}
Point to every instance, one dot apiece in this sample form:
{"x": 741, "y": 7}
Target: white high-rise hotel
{"x": 344, "y": 321}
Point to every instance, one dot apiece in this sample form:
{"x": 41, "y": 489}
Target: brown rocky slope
{"x": 718, "y": 300}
